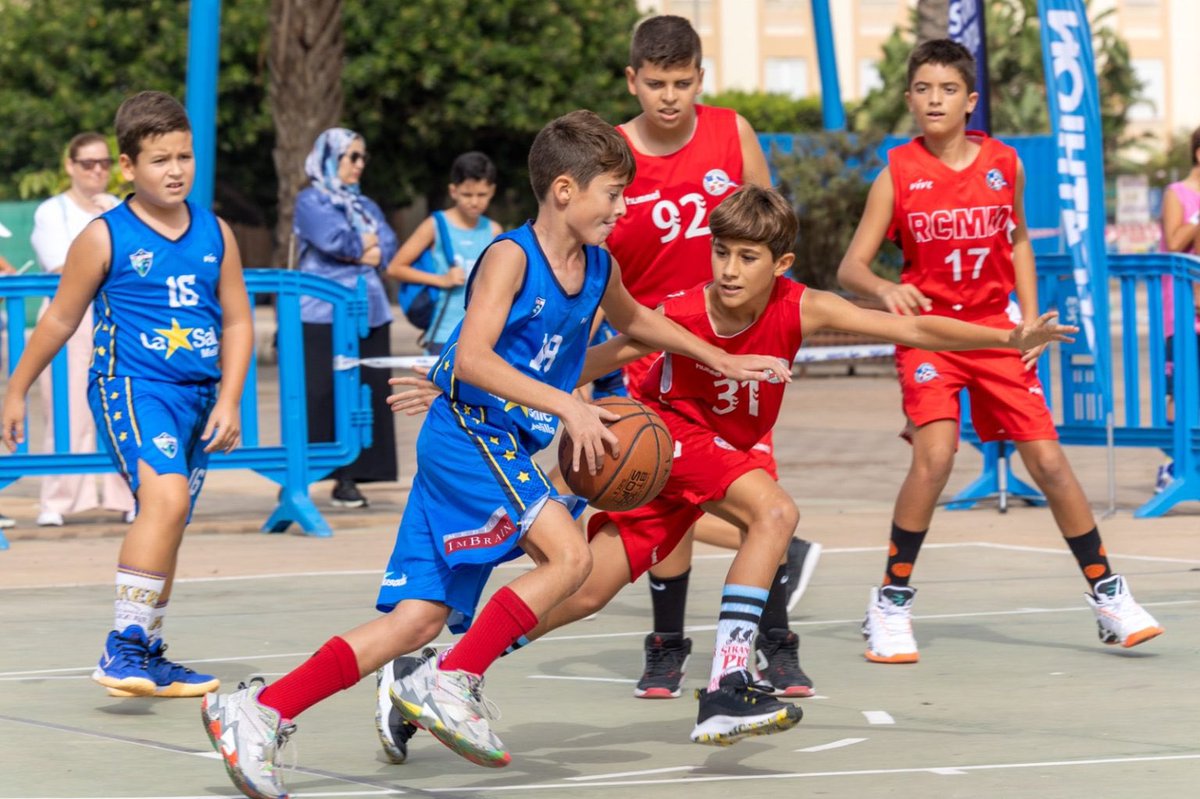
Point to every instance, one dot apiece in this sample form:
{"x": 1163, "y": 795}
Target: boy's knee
{"x": 935, "y": 463}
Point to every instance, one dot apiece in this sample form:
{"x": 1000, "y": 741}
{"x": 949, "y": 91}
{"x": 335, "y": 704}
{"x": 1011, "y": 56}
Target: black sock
{"x": 669, "y": 598}
{"x": 775, "y": 612}
{"x": 1089, "y": 552}
{"x": 902, "y": 555}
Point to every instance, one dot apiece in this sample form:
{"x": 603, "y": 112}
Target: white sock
{"x": 138, "y": 593}
{"x": 156, "y": 621}
{"x": 737, "y": 624}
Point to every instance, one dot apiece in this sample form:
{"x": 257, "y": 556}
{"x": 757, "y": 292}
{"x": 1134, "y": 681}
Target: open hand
{"x": 765, "y": 368}
{"x": 1035, "y": 335}
{"x": 13, "y": 421}
{"x": 224, "y": 428}
{"x": 417, "y": 397}
{"x": 584, "y": 423}
{"x": 905, "y": 299}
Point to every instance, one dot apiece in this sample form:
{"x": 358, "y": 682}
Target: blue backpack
{"x": 417, "y": 300}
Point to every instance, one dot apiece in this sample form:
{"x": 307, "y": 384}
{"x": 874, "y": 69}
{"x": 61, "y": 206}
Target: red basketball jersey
{"x": 955, "y": 228}
{"x": 663, "y": 243}
{"x": 740, "y": 413}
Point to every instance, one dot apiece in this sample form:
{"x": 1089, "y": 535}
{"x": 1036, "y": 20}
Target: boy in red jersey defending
{"x": 690, "y": 157}
{"x": 749, "y": 306}
{"x": 952, "y": 199}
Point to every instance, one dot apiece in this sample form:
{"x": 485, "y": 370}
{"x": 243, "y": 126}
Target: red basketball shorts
{"x": 1007, "y": 402}
{"x": 703, "y": 469}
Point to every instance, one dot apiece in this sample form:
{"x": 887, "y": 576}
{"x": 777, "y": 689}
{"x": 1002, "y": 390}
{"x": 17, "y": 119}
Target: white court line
{"x": 581, "y": 679}
{"x": 832, "y": 745}
{"x": 38, "y": 673}
{"x": 525, "y": 566}
{"x": 947, "y": 772}
{"x": 878, "y": 717}
{"x": 632, "y": 773}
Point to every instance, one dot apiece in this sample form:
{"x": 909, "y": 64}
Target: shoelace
{"x": 661, "y": 661}
{"x": 897, "y": 620}
{"x": 480, "y": 703}
{"x": 283, "y": 736}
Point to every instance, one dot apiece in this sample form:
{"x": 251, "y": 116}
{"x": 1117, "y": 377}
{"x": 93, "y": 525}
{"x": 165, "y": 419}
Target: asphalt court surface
{"x": 1014, "y": 694}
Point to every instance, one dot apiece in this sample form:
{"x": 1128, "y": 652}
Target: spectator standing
{"x": 56, "y": 223}
{"x": 342, "y": 235}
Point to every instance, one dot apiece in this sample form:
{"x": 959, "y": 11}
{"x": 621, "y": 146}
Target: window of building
{"x": 1152, "y": 74}
{"x": 710, "y": 75}
{"x": 868, "y": 76}
{"x": 787, "y": 76}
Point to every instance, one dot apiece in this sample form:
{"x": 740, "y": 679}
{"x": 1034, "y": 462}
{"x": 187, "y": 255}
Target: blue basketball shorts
{"x": 153, "y": 421}
{"x": 474, "y": 496}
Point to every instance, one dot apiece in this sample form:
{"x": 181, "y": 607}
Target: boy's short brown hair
{"x": 946, "y": 53}
{"x": 665, "y": 41}
{"x": 580, "y": 145}
{"x": 757, "y": 215}
{"x": 148, "y": 114}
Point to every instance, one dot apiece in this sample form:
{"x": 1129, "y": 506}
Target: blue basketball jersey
{"x": 157, "y": 314}
{"x": 545, "y": 337}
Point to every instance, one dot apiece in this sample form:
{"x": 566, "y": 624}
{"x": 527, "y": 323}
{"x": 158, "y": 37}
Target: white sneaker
{"x": 1121, "y": 620}
{"x": 888, "y": 625}
{"x": 249, "y": 736}
{"x": 391, "y": 727}
{"x": 129, "y": 516}
{"x": 50, "y": 518}
{"x": 451, "y": 705}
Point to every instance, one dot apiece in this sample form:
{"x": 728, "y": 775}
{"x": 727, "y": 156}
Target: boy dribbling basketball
{"x": 478, "y": 498}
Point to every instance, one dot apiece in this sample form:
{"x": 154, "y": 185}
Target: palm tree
{"x": 305, "y": 92}
{"x": 932, "y": 19}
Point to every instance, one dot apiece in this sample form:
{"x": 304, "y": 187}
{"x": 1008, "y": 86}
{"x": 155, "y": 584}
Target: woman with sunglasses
{"x": 56, "y": 223}
{"x": 342, "y": 235}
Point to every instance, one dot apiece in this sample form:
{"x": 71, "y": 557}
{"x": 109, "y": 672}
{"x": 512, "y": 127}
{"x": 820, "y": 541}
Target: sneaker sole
{"x": 352, "y": 504}
{"x": 903, "y": 657}
{"x": 390, "y": 751}
{"x": 176, "y": 690}
{"x": 134, "y": 686}
{"x": 795, "y": 692}
{"x": 656, "y": 693}
{"x": 806, "y": 573}
{"x": 1142, "y": 636}
{"x": 780, "y": 721}
{"x": 416, "y": 715}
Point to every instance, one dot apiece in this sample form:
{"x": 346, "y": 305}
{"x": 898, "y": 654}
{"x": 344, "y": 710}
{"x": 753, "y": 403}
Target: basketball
{"x": 640, "y": 472}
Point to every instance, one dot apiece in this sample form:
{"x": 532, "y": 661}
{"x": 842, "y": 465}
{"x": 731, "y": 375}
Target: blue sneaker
{"x": 170, "y": 678}
{"x": 124, "y": 664}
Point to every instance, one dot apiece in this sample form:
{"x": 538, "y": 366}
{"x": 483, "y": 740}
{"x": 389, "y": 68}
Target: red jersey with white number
{"x": 741, "y": 413}
{"x": 663, "y": 243}
{"x": 955, "y": 228}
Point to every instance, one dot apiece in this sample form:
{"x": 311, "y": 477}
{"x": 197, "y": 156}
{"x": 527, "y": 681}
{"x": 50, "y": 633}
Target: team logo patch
{"x": 925, "y": 372}
{"x": 717, "y": 182}
{"x": 995, "y": 180}
{"x": 210, "y": 259}
{"x": 538, "y": 305}
{"x": 141, "y": 261}
{"x": 166, "y": 444}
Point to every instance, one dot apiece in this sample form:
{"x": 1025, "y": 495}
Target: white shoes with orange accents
{"x": 1121, "y": 620}
{"x": 888, "y": 625}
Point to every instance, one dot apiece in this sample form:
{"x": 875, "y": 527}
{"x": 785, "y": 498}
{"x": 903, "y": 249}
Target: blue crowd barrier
{"x": 295, "y": 462}
{"x": 1140, "y": 407}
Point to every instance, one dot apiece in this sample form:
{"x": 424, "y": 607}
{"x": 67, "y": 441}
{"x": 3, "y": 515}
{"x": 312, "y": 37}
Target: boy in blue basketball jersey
{"x": 173, "y": 339}
{"x": 478, "y": 498}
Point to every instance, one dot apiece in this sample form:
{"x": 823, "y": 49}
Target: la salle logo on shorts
{"x": 995, "y": 180}
{"x": 717, "y": 182}
{"x": 925, "y": 372}
{"x": 166, "y": 444}
{"x": 141, "y": 261}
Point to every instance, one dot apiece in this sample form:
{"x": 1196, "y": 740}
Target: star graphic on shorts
{"x": 523, "y": 477}
{"x": 117, "y": 416}
{"x": 176, "y": 336}
{"x": 508, "y": 406}
{"x": 511, "y": 455}
{"x": 113, "y": 395}
{"x": 102, "y": 350}
{"x": 123, "y": 436}
{"x": 495, "y": 441}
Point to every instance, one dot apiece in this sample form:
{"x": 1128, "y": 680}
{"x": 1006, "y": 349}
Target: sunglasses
{"x": 88, "y": 164}
{"x": 356, "y": 157}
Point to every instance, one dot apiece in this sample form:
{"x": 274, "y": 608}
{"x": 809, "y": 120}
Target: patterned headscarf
{"x": 321, "y": 166}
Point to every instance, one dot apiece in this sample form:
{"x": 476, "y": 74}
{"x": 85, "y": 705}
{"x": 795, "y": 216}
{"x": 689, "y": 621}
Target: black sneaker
{"x": 739, "y": 709}
{"x": 802, "y": 557}
{"x": 347, "y": 495}
{"x": 666, "y": 662}
{"x": 778, "y": 654}
{"x": 393, "y": 730}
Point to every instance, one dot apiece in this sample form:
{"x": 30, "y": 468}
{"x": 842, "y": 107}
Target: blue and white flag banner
{"x": 1074, "y": 100}
{"x": 966, "y": 26}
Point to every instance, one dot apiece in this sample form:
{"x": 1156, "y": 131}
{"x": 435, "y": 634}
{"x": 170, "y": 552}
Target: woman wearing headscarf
{"x": 342, "y": 235}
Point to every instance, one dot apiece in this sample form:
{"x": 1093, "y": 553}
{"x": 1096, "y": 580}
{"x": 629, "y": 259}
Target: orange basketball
{"x": 638, "y": 474}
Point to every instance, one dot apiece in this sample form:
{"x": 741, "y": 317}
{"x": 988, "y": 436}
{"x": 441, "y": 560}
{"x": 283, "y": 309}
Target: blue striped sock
{"x": 741, "y": 609}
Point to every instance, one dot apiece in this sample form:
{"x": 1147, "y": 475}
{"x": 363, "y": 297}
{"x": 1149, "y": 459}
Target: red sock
{"x": 333, "y": 668}
{"x": 503, "y": 620}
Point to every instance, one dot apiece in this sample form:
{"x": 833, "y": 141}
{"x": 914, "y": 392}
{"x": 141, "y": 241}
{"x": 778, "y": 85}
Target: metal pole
{"x": 204, "y": 40}
{"x": 1110, "y": 444}
{"x": 833, "y": 114}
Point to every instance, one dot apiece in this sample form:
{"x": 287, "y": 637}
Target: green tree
{"x": 1015, "y": 70}
{"x": 769, "y": 112}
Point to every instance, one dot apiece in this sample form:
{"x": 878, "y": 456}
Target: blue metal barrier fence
{"x": 295, "y": 462}
{"x": 1140, "y": 400}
